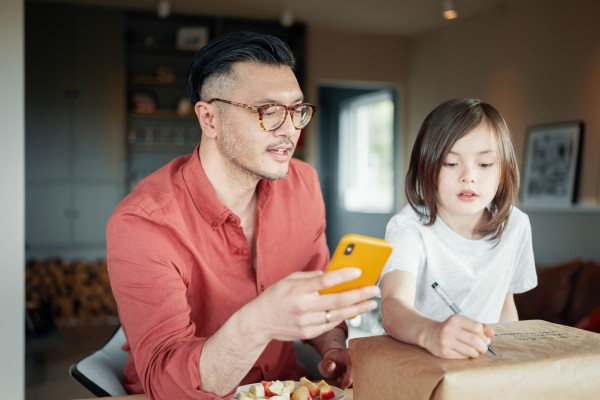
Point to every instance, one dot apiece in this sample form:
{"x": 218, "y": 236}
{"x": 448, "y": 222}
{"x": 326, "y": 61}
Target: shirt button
{"x": 215, "y": 225}
{"x": 262, "y": 288}
{"x": 239, "y": 251}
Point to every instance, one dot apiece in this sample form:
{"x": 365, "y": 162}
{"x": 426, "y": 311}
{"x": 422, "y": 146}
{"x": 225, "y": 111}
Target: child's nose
{"x": 467, "y": 176}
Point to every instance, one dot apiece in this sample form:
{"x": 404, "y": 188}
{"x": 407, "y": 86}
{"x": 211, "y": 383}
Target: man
{"x": 216, "y": 259}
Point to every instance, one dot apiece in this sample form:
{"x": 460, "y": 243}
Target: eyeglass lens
{"x": 274, "y": 116}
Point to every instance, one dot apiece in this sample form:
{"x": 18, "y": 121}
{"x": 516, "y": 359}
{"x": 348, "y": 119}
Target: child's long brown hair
{"x": 442, "y": 128}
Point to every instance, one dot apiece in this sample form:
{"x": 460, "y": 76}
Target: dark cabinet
{"x": 74, "y": 124}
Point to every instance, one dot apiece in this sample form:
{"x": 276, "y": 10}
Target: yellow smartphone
{"x": 367, "y": 253}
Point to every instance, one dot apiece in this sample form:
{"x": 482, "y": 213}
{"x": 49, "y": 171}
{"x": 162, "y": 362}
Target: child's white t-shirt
{"x": 476, "y": 274}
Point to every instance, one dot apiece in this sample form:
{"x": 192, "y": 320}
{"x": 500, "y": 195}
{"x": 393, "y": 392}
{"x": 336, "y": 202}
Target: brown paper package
{"x": 535, "y": 360}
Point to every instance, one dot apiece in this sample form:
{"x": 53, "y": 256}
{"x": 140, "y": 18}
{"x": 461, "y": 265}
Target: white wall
{"x": 538, "y": 62}
{"x": 12, "y": 202}
{"x": 345, "y": 57}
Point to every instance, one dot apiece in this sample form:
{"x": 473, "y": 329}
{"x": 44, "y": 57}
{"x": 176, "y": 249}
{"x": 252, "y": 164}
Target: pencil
{"x": 453, "y": 306}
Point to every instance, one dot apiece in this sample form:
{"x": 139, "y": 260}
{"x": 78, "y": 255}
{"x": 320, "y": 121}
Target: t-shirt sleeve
{"x": 524, "y": 276}
{"x": 408, "y": 252}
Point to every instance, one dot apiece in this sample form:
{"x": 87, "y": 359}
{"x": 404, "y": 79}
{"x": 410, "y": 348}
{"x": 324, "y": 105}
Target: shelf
{"x": 151, "y": 80}
{"x": 160, "y": 48}
{"x": 162, "y": 148}
{"x": 163, "y": 114}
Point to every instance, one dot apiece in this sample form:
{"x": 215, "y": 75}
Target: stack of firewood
{"x": 76, "y": 292}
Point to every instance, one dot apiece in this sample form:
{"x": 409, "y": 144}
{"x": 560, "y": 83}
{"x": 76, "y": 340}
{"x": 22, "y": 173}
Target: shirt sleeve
{"x": 150, "y": 292}
{"x": 408, "y": 253}
{"x": 525, "y": 276}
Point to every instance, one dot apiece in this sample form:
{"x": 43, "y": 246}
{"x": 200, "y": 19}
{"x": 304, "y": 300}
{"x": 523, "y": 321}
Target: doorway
{"x": 358, "y": 128}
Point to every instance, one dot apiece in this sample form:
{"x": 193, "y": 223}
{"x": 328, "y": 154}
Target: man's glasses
{"x": 272, "y": 115}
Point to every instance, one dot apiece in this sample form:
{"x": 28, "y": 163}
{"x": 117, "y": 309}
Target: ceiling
{"x": 395, "y": 17}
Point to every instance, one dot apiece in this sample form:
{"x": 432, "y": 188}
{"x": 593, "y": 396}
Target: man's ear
{"x": 208, "y": 118}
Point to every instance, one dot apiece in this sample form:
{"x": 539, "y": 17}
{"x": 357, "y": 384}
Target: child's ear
{"x": 208, "y": 117}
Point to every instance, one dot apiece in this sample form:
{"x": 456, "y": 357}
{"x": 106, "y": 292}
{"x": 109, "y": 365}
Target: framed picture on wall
{"x": 552, "y": 163}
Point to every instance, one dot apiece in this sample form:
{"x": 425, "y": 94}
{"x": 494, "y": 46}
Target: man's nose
{"x": 287, "y": 128}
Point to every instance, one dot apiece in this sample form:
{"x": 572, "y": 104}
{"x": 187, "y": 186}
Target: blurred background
{"x": 94, "y": 100}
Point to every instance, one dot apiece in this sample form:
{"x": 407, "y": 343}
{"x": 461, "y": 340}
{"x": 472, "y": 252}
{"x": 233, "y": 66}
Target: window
{"x": 367, "y": 153}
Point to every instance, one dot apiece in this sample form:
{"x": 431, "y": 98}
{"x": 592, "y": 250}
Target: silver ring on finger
{"x": 327, "y": 316}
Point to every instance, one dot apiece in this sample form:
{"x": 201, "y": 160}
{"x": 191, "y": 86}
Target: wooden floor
{"x": 48, "y": 358}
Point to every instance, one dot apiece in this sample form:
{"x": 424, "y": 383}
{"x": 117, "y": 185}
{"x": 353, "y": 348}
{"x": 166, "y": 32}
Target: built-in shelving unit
{"x": 160, "y": 121}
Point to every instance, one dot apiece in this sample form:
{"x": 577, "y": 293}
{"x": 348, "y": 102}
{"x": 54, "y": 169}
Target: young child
{"x": 460, "y": 230}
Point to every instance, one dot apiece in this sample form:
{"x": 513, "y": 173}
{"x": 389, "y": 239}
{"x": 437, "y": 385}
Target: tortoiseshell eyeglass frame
{"x": 262, "y": 108}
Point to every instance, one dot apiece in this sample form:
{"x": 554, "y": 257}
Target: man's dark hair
{"x": 220, "y": 54}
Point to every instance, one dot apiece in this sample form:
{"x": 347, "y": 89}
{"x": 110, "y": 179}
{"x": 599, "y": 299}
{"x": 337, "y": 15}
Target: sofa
{"x": 567, "y": 293}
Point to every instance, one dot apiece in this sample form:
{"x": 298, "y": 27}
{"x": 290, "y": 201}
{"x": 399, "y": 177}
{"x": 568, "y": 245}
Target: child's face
{"x": 470, "y": 175}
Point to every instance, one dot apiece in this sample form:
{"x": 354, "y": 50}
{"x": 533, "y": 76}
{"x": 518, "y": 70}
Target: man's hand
{"x": 297, "y": 311}
{"x": 458, "y": 338}
{"x": 288, "y": 310}
{"x": 336, "y": 363}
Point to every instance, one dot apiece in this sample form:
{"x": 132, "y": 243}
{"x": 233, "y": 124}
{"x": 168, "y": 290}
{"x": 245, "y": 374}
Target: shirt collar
{"x": 204, "y": 196}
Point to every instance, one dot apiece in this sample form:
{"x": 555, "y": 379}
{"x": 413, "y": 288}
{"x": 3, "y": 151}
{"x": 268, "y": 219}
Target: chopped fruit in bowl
{"x": 326, "y": 392}
{"x": 289, "y": 390}
{"x": 313, "y": 388}
{"x": 301, "y": 393}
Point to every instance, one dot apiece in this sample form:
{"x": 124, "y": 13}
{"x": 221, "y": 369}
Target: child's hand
{"x": 488, "y": 331}
{"x": 458, "y": 338}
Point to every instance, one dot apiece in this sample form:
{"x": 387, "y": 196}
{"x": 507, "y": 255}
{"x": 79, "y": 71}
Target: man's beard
{"x": 242, "y": 158}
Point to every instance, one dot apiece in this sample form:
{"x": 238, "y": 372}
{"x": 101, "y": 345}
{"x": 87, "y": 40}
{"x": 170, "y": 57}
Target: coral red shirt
{"x": 180, "y": 266}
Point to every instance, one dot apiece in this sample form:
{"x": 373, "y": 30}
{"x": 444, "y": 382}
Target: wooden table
{"x": 143, "y": 396}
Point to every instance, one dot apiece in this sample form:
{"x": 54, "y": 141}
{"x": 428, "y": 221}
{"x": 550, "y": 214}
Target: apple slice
{"x": 257, "y": 390}
{"x": 326, "y": 390}
{"x": 290, "y": 385}
{"x": 312, "y": 388}
{"x": 246, "y": 396}
{"x": 301, "y": 393}
{"x": 273, "y": 388}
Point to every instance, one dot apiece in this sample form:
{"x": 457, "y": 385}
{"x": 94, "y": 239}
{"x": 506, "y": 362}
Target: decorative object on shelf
{"x": 165, "y": 75}
{"x": 164, "y": 137}
{"x": 552, "y": 163}
{"x": 132, "y": 136}
{"x": 184, "y": 107}
{"x": 192, "y": 38}
{"x": 149, "y": 41}
{"x": 287, "y": 15}
{"x": 163, "y": 8}
{"x": 149, "y": 135}
{"x": 143, "y": 102}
